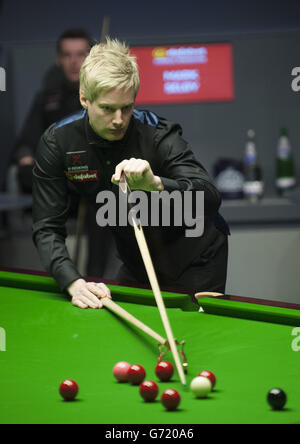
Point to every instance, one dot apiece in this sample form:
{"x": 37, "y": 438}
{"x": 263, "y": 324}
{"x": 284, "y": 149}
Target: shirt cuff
{"x": 65, "y": 278}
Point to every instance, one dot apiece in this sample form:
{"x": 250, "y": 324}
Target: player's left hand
{"x": 99, "y": 289}
{"x": 139, "y": 175}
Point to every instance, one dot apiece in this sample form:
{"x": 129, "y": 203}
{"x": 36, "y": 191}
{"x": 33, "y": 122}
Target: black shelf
{"x": 266, "y": 211}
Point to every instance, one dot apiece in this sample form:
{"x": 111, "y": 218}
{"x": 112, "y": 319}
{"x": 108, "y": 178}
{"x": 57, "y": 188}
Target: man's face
{"x": 72, "y": 54}
{"x": 110, "y": 113}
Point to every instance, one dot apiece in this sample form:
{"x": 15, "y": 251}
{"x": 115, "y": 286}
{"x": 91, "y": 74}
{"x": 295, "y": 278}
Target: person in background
{"x": 57, "y": 99}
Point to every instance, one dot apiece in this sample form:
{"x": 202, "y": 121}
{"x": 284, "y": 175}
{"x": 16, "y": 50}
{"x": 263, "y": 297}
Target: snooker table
{"x": 247, "y": 345}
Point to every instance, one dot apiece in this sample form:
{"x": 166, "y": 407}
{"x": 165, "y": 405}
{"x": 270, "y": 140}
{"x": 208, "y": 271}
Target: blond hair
{"x": 109, "y": 65}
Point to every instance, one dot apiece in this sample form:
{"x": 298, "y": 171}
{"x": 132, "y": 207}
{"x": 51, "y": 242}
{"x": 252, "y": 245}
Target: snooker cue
{"x": 105, "y": 28}
{"x": 205, "y": 294}
{"x": 140, "y": 237}
{"x": 111, "y": 305}
{"x": 143, "y": 247}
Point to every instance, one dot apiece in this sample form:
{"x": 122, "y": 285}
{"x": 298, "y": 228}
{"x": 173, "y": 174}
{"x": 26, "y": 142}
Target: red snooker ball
{"x": 136, "y": 374}
{"x": 170, "y": 399}
{"x": 209, "y": 375}
{"x": 149, "y": 391}
{"x": 164, "y": 371}
{"x": 68, "y": 390}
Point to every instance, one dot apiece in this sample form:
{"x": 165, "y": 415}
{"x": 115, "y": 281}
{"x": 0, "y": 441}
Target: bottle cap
{"x": 251, "y": 134}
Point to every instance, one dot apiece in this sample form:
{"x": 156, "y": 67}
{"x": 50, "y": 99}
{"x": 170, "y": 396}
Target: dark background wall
{"x": 43, "y": 20}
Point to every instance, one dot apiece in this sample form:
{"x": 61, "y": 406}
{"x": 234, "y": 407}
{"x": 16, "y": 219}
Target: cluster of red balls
{"x": 136, "y": 374}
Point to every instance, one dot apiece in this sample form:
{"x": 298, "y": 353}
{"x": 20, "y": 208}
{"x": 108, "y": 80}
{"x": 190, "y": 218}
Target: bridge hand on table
{"x": 88, "y": 294}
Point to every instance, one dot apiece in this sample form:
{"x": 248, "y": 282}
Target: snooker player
{"x": 92, "y": 149}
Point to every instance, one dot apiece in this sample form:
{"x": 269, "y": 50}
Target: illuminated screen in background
{"x": 185, "y": 73}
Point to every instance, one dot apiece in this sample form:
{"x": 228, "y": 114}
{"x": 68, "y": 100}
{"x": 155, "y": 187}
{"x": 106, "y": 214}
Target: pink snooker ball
{"x": 120, "y": 371}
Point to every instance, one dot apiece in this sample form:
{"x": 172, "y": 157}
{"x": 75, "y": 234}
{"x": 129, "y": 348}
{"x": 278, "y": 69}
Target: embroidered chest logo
{"x": 77, "y": 161}
{"x": 87, "y": 176}
{"x": 78, "y": 169}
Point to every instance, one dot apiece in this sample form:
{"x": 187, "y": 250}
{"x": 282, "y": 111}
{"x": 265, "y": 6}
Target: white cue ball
{"x": 201, "y": 387}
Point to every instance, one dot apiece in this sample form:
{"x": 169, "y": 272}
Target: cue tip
{"x": 185, "y": 387}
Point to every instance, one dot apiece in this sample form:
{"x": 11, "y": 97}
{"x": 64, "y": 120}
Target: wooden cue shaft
{"x": 205, "y": 294}
{"x": 105, "y": 28}
{"x": 157, "y": 294}
{"x": 111, "y": 305}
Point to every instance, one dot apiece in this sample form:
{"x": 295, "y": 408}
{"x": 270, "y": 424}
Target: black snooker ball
{"x": 277, "y": 399}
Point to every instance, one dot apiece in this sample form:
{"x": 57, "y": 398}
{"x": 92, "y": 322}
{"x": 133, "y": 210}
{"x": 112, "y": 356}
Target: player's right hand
{"x": 88, "y": 294}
